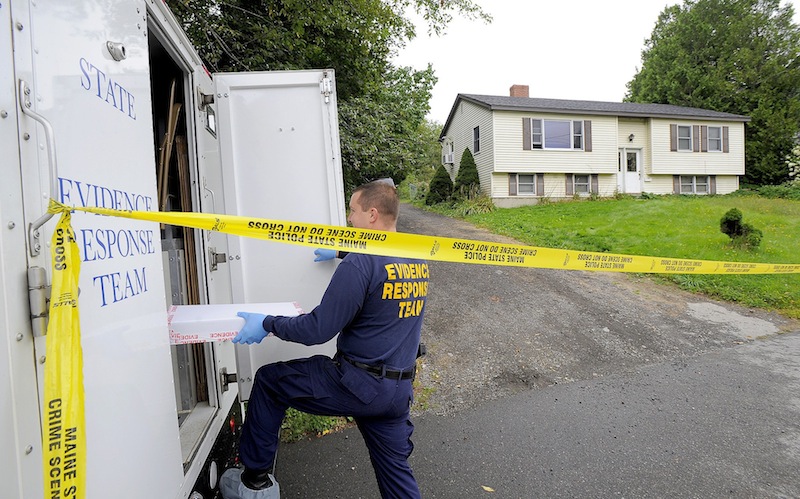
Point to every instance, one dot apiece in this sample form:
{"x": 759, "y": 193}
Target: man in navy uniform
{"x": 377, "y": 303}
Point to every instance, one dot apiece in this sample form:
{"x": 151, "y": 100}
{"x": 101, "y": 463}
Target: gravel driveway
{"x": 493, "y": 331}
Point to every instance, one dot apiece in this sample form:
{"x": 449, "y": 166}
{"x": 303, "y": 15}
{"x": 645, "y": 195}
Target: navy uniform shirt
{"x": 377, "y": 302}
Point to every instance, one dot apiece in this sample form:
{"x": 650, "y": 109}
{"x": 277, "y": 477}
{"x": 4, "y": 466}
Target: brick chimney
{"x": 519, "y": 91}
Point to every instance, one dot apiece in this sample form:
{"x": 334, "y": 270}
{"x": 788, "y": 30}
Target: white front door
{"x": 629, "y": 179}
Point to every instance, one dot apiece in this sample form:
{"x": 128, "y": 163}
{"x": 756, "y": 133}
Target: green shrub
{"x": 741, "y": 234}
{"x": 467, "y": 176}
{"x": 751, "y": 237}
{"x": 441, "y": 187}
{"x": 731, "y": 223}
{"x": 788, "y": 190}
{"x": 474, "y": 203}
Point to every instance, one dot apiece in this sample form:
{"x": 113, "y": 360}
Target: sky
{"x": 575, "y": 49}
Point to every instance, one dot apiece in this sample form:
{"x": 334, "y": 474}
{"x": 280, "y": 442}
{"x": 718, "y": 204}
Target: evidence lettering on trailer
{"x": 80, "y": 193}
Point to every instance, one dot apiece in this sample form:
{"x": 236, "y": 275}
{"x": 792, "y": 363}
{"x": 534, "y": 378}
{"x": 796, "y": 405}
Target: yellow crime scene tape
{"x": 63, "y": 432}
{"x": 436, "y": 248}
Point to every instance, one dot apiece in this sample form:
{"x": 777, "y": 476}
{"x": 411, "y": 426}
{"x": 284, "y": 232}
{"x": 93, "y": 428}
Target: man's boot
{"x": 237, "y": 483}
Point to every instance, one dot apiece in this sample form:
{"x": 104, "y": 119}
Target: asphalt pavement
{"x": 723, "y": 424}
{"x": 548, "y": 384}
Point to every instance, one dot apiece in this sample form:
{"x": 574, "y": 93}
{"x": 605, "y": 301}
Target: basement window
{"x": 694, "y": 184}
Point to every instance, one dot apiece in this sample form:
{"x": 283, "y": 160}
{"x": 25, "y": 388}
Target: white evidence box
{"x": 204, "y": 323}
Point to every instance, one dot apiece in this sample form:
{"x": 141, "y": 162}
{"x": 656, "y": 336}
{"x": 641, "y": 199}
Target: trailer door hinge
{"x": 226, "y": 379}
{"x": 326, "y": 86}
{"x": 38, "y": 293}
{"x": 215, "y": 258}
{"x": 204, "y": 100}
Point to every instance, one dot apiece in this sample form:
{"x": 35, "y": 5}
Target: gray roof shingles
{"x": 624, "y": 109}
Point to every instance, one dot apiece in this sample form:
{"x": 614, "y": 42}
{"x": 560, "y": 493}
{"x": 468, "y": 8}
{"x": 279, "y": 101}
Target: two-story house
{"x": 527, "y": 149}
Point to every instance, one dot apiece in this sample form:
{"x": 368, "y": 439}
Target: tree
{"x": 381, "y": 107}
{"x": 467, "y": 176}
{"x": 441, "y": 187}
{"x": 382, "y": 133}
{"x": 738, "y": 57}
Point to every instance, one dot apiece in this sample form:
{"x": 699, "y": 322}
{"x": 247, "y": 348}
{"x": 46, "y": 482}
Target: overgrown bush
{"x": 467, "y": 176}
{"x": 741, "y": 234}
{"x": 441, "y": 187}
{"x": 473, "y": 203}
{"x": 788, "y": 190}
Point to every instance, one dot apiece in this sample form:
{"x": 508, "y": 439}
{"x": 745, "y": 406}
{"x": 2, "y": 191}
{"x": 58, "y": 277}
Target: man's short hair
{"x": 381, "y": 195}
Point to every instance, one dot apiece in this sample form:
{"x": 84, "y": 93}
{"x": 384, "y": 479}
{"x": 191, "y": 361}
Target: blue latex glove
{"x": 324, "y": 254}
{"x": 253, "y": 330}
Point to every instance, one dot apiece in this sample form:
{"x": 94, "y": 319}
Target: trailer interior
{"x": 193, "y": 374}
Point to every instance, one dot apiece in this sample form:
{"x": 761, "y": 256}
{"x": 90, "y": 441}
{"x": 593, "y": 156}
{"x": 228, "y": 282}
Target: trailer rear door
{"x": 279, "y": 143}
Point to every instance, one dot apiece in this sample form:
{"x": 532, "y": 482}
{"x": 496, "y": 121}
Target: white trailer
{"x": 93, "y": 95}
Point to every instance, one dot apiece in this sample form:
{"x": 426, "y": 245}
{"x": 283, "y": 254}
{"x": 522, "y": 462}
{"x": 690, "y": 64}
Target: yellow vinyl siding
{"x": 663, "y": 184}
{"x": 554, "y": 188}
{"x": 641, "y": 139}
{"x": 658, "y": 184}
{"x": 727, "y": 184}
{"x": 466, "y": 117}
{"x": 665, "y": 161}
{"x": 510, "y": 157}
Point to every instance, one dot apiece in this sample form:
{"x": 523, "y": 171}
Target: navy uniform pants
{"x": 320, "y": 385}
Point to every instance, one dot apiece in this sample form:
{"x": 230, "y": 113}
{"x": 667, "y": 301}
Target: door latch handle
{"x": 26, "y": 105}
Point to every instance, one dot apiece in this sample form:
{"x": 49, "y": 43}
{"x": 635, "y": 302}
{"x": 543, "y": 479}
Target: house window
{"x": 582, "y": 184}
{"x": 577, "y": 135}
{"x": 526, "y": 184}
{"x": 694, "y": 184}
{"x": 684, "y": 138}
{"x": 715, "y": 139}
{"x": 556, "y": 134}
{"x": 536, "y": 134}
{"x": 476, "y": 139}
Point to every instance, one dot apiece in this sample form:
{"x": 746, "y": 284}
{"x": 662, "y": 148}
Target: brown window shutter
{"x": 695, "y": 138}
{"x": 673, "y": 137}
{"x": 540, "y": 184}
{"x": 725, "y": 147}
{"x": 712, "y": 184}
{"x": 587, "y": 135}
{"x": 512, "y": 184}
{"x": 526, "y": 134}
{"x": 595, "y": 184}
{"x": 568, "y": 185}
{"x": 703, "y": 138}
{"x": 676, "y": 184}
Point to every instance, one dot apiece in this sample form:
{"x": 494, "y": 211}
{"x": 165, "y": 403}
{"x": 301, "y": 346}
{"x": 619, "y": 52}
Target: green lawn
{"x": 672, "y": 226}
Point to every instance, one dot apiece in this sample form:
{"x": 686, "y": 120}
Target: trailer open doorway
{"x": 193, "y": 375}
